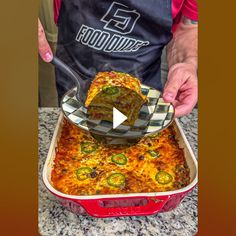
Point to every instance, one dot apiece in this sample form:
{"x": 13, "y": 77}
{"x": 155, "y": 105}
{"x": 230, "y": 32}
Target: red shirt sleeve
{"x": 56, "y": 8}
{"x": 190, "y": 9}
{"x": 185, "y": 7}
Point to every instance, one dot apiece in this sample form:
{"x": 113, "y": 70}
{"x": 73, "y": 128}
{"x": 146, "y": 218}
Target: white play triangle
{"x": 118, "y": 118}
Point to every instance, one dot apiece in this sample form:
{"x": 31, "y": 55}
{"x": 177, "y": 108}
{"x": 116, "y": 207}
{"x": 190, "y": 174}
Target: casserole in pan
{"x": 127, "y": 204}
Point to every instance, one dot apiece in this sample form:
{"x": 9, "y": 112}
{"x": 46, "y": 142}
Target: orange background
{"x": 217, "y": 142}
{"x": 18, "y": 124}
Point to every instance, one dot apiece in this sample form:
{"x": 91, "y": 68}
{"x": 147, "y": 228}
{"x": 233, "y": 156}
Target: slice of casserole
{"x": 115, "y": 89}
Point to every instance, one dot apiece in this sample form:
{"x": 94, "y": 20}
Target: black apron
{"x": 122, "y": 35}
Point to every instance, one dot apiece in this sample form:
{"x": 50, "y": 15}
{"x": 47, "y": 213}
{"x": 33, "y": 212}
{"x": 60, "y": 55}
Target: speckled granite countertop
{"x": 55, "y": 220}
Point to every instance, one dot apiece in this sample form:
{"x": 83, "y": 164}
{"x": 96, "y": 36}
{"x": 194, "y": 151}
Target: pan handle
{"x": 96, "y": 208}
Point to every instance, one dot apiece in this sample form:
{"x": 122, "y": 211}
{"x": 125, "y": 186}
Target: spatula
{"x": 82, "y": 85}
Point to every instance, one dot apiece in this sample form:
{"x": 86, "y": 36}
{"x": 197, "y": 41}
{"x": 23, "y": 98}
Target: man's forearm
{"x": 184, "y": 45}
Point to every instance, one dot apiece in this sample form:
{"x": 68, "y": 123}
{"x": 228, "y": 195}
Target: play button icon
{"x": 115, "y": 113}
{"x": 118, "y": 118}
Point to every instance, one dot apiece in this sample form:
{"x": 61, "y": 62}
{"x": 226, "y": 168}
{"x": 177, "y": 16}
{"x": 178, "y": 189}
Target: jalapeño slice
{"x": 83, "y": 173}
{"x": 88, "y": 147}
{"x": 119, "y": 159}
{"x": 153, "y": 153}
{"x": 116, "y": 180}
{"x": 110, "y": 90}
{"x": 162, "y": 177}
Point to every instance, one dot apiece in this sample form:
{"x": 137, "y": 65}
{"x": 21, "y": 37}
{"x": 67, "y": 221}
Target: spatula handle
{"x": 66, "y": 69}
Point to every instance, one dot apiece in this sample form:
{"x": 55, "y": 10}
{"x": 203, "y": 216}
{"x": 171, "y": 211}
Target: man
{"x": 129, "y": 36}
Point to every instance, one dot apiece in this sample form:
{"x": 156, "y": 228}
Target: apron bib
{"x": 122, "y": 35}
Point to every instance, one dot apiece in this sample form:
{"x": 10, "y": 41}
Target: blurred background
{"x": 47, "y": 85}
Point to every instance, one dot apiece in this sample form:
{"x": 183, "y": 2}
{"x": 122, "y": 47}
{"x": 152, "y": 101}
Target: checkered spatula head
{"x": 154, "y": 116}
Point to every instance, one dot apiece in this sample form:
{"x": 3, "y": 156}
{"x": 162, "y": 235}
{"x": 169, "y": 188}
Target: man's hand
{"x": 43, "y": 46}
{"x": 181, "y": 88}
{"x": 182, "y": 52}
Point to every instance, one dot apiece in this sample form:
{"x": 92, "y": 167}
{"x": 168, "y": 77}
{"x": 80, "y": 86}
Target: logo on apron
{"x": 120, "y": 19}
